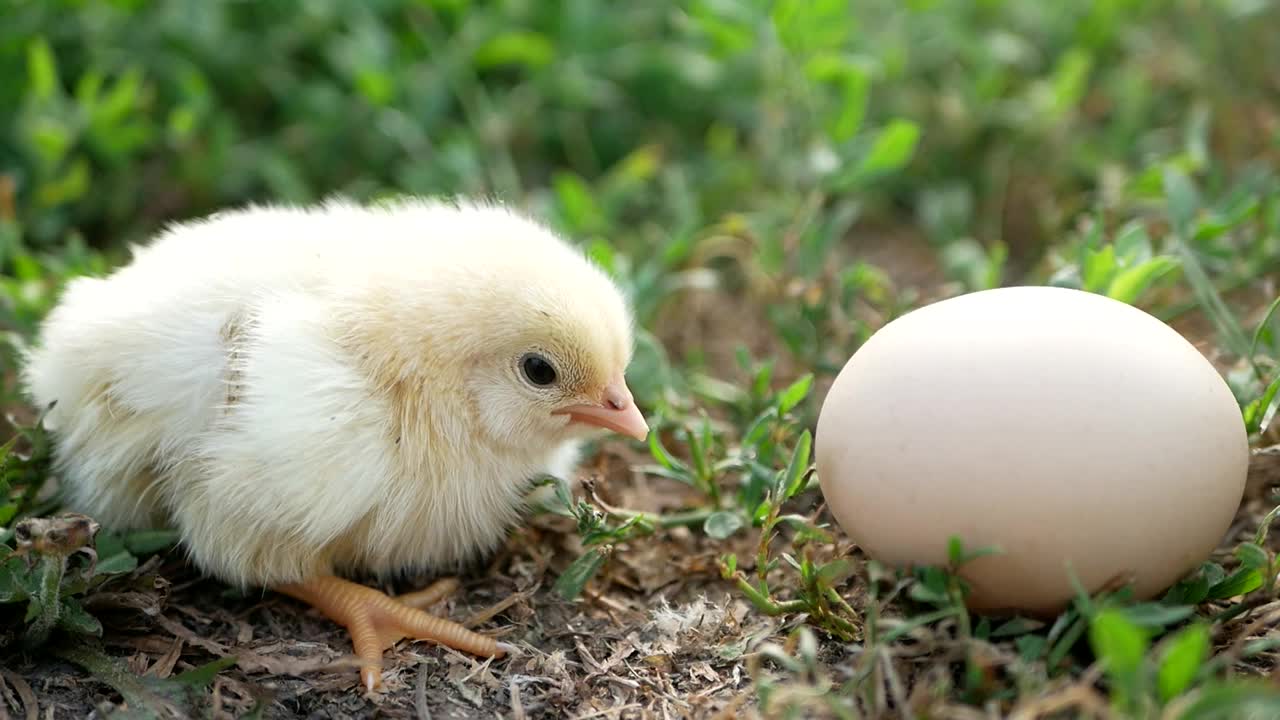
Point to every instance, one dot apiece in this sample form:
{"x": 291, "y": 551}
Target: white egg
{"x": 1075, "y": 433}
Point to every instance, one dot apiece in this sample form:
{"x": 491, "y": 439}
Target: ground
{"x": 658, "y": 634}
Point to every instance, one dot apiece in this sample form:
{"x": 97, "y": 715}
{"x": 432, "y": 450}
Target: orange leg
{"x": 377, "y": 621}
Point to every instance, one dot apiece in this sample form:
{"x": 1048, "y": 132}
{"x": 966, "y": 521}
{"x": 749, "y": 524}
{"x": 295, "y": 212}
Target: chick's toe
{"x": 428, "y": 596}
{"x": 377, "y": 621}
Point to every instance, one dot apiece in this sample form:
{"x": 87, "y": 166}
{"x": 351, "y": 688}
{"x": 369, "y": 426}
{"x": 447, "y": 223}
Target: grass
{"x": 771, "y": 183}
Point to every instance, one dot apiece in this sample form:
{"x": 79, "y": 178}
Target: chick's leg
{"x": 377, "y": 621}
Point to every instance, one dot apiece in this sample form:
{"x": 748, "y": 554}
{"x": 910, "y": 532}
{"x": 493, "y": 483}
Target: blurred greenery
{"x": 786, "y": 156}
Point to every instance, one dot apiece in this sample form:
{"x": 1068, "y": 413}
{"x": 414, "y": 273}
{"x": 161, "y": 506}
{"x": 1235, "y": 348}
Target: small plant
{"x": 49, "y": 564}
{"x": 712, "y": 462}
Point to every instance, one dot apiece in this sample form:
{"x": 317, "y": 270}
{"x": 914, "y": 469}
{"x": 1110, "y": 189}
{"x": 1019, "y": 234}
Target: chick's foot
{"x": 377, "y": 621}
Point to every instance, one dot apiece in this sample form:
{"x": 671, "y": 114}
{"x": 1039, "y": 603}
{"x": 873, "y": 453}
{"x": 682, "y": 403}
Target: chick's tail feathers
{"x": 376, "y": 621}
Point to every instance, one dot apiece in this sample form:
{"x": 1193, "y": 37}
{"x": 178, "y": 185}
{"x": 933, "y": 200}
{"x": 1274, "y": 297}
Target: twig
{"x": 517, "y": 707}
{"x": 249, "y": 660}
{"x": 1076, "y": 696}
{"x": 491, "y": 611}
{"x": 689, "y": 518}
{"x": 163, "y": 667}
{"x": 420, "y": 694}
{"x": 608, "y": 711}
{"x": 24, "y": 691}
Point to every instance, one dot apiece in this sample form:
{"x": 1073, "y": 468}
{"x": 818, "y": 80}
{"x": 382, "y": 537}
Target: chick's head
{"x": 538, "y": 336}
{"x": 554, "y": 366}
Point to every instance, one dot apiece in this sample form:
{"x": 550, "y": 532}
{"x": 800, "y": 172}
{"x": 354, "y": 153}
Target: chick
{"x": 306, "y": 393}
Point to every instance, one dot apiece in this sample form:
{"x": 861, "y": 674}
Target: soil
{"x": 647, "y": 639}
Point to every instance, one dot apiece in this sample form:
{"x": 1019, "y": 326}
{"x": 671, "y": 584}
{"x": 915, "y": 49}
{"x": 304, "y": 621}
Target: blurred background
{"x": 768, "y": 179}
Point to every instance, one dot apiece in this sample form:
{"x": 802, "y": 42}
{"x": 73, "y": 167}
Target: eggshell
{"x": 1074, "y": 432}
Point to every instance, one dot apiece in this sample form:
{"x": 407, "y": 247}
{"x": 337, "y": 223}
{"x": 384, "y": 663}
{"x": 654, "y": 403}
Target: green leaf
{"x": 74, "y": 618}
{"x": 11, "y": 588}
{"x": 577, "y": 204}
{"x": 730, "y": 564}
{"x": 805, "y": 26}
{"x": 760, "y": 385}
{"x": 892, "y": 148}
{"x": 121, "y": 562}
{"x": 1119, "y": 643}
{"x": 46, "y": 603}
{"x": 1264, "y": 328}
{"x": 759, "y": 427}
{"x": 1157, "y": 615}
{"x": 720, "y": 525}
{"x": 1016, "y": 626}
{"x": 854, "y": 91}
{"x": 145, "y": 542}
{"x": 761, "y": 512}
{"x": 667, "y": 460}
{"x": 1066, "y": 640}
{"x": 122, "y": 98}
{"x": 1264, "y": 527}
{"x": 71, "y": 185}
{"x": 1233, "y": 701}
{"x": 1098, "y": 268}
{"x": 204, "y": 674}
{"x": 836, "y": 570}
{"x": 918, "y": 621}
{"x": 1213, "y": 572}
{"x": 698, "y": 449}
{"x": 575, "y": 577}
{"x": 1129, "y": 284}
{"x": 853, "y": 86}
{"x": 1253, "y": 557}
{"x": 1070, "y": 80}
{"x": 109, "y": 543}
{"x": 1182, "y": 198}
{"x": 1030, "y": 647}
{"x": 1259, "y": 413}
{"x": 515, "y": 47}
{"x": 931, "y": 586}
{"x": 659, "y": 471}
{"x": 375, "y": 85}
{"x": 958, "y": 555}
{"x": 1133, "y": 245}
{"x": 1183, "y": 202}
{"x": 1243, "y": 581}
{"x": 1184, "y": 655}
{"x": 793, "y": 478}
{"x": 42, "y": 70}
{"x": 795, "y": 394}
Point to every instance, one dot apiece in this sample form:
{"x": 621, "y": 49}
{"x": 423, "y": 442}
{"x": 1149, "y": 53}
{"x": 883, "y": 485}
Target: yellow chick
{"x": 306, "y": 393}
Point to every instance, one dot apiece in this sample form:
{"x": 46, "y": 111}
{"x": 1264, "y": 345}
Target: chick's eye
{"x": 538, "y": 369}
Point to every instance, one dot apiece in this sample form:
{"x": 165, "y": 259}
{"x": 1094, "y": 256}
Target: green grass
{"x": 756, "y": 175}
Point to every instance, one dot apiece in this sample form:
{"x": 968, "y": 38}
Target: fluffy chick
{"x": 306, "y": 393}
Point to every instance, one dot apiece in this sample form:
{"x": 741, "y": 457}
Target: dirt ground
{"x": 658, "y": 634}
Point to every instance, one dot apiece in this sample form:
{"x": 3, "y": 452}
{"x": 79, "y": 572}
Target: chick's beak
{"x": 616, "y": 411}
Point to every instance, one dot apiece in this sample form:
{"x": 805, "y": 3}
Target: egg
{"x": 1072, "y": 433}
